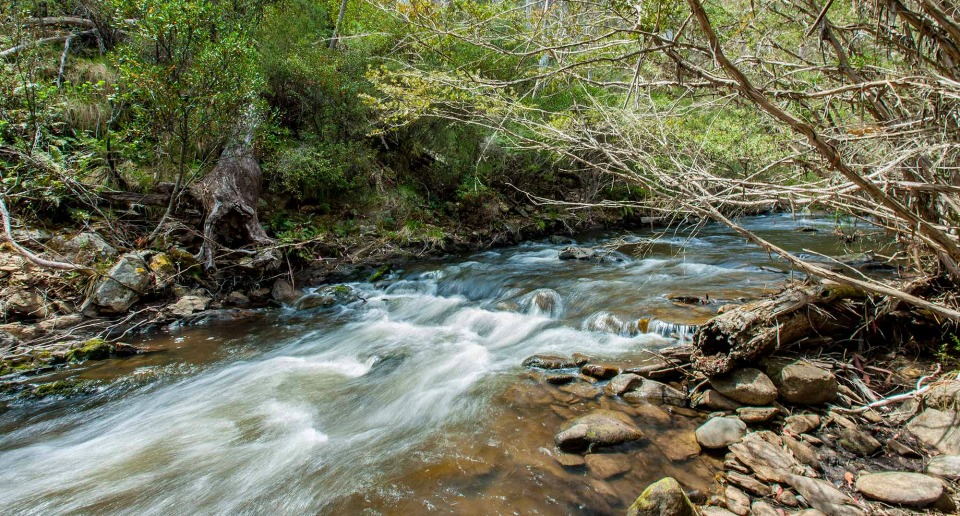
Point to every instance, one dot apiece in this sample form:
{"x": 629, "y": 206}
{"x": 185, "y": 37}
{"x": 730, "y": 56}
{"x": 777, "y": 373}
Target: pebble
{"x": 901, "y": 488}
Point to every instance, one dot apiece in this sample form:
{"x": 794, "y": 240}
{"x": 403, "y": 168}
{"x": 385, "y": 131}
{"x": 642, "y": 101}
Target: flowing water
{"x": 411, "y": 400}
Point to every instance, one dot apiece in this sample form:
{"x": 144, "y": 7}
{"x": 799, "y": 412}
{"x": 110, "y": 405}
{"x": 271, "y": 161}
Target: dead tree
{"x": 230, "y": 192}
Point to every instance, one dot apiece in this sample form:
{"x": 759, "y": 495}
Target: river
{"x": 409, "y": 401}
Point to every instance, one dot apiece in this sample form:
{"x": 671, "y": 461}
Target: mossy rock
{"x": 93, "y": 349}
{"x": 65, "y": 388}
{"x": 379, "y": 274}
{"x": 664, "y": 497}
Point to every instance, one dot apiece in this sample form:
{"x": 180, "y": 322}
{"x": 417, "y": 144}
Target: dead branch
{"x": 8, "y": 234}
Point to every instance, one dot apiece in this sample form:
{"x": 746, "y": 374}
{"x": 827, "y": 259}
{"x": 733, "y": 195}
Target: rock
{"x": 8, "y": 341}
{"x": 737, "y": 501}
{"x": 768, "y": 462}
{"x": 824, "y": 497}
{"x": 748, "y": 483}
{"x": 678, "y": 445}
{"x": 570, "y": 460}
{"x": 25, "y": 302}
{"x": 946, "y": 466}
{"x": 802, "y": 451}
{"x": 600, "y": 371}
{"x": 581, "y": 389}
{"x": 761, "y": 508}
{"x": 713, "y": 400}
{"x": 943, "y": 395}
{"x": 756, "y": 415}
{"x": 86, "y": 248}
{"x": 549, "y": 362}
{"x": 803, "y": 383}
{"x": 801, "y": 423}
{"x": 721, "y": 432}
{"x": 655, "y": 392}
{"x": 664, "y": 497}
{"x": 577, "y": 253}
{"x": 163, "y": 269}
{"x": 748, "y": 386}
{"x": 123, "y": 285}
{"x": 60, "y": 322}
{"x": 808, "y": 512}
{"x": 284, "y": 292}
{"x": 560, "y": 378}
{"x": 260, "y": 295}
{"x": 858, "y": 442}
{"x": 327, "y": 297}
{"x": 187, "y": 305}
{"x": 786, "y": 498}
{"x": 622, "y": 383}
{"x": 598, "y": 428}
{"x": 580, "y": 359}
{"x": 939, "y": 429}
{"x": 713, "y": 510}
{"x": 604, "y": 466}
{"x": 236, "y": 298}
{"x": 900, "y": 488}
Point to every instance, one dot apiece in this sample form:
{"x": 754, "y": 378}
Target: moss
{"x": 69, "y": 387}
{"x": 379, "y": 273}
{"x": 93, "y": 349}
{"x": 341, "y": 290}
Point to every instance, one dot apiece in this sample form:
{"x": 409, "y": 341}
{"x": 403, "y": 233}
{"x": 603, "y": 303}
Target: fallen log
{"x": 751, "y": 331}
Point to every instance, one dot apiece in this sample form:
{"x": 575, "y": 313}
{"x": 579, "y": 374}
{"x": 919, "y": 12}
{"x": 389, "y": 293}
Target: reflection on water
{"x": 406, "y": 401}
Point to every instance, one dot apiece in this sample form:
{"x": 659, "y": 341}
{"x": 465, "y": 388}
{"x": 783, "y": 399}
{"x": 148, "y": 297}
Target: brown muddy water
{"x": 410, "y": 401}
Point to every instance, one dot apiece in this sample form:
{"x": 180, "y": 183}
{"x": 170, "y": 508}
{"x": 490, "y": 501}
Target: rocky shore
{"x": 795, "y": 436}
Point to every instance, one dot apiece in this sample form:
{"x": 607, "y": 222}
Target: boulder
{"x": 86, "y": 248}
{"x": 604, "y": 466}
{"x": 123, "y": 284}
{"x": 858, "y": 441}
{"x": 549, "y": 362}
{"x": 664, "y": 497}
{"x": 801, "y": 423}
{"x": 756, "y": 415}
{"x": 803, "y": 383}
{"x": 622, "y": 383}
{"x": 901, "y": 488}
{"x": 655, "y": 392}
{"x": 577, "y": 253}
{"x": 187, "y": 305}
{"x": 939, "y": 429}
{"x": 824, "y": 497}
{"x": 600, "y": 371}
{"x": 946, "y": 466}
{"x": 598, "y": 428}
{"x": 721, "y": 432}
{"x": 748, "y": 386}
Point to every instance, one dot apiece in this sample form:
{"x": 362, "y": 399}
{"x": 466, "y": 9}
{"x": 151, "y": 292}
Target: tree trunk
{"x": 754, "y": 330}
{"x": 231, "y": 190}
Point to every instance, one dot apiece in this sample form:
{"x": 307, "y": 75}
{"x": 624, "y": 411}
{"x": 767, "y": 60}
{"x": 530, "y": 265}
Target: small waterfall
{"x": 671, "y": 330}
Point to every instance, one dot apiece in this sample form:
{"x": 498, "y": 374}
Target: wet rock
{"x": 748, "y": 386}
{"x": 858, "y": 441}
{"x": 600, "y": 371}
{"x": 678, "y": 445}
{"x": 123, "y": 285}
{"x": 570, "y": 460}
{"x": 604, "y": 466}
{"x": 580, "y": 359}
{"x": 577, "y": 253}
{"x": 284, "y": 292}
{"x": 721, "y": 432}
{"x": 713, "y": 400}
{"x": 163, "y": 269}
{"x": 655, "y": 392}
{"x": 946, "y": 466}
{"x": 543, "y": 301}
{"x": 560, "y": 378}
{"x": 737, "y": 501}
{"x": 803, "y": 383}
{"x": 900, "y": 488}
{"x": 939, "y": 429}
{"x": 664, "y": 497}
{"x": 824, "y": 497}
{"x": 549, "y": 362}
{"x": 801, "y": 423}
{"x": 581, "y": 389}
{"x": 236, "y": 298}
{"x": 756, "y": 415}
{"x": 748, "y": 483}
{"x": 802, "y": 451}
{"x": 659, "y": 370}
{"x": 598, "y": 428}
{"x": 622, "y": 383}
{"x": 761, "y": 508}
{"x": 187, "y": 305}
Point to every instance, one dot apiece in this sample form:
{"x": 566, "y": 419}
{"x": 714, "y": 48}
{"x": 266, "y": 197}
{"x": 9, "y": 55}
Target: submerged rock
{"x": 720, "y": 432}
{"x": 748, "y": 386}
{"x": 901, "y": 488}
{"x": 604, "y": 466}
{"x": 598, "y": 428}
{"x": 664, "y": 497}
{"x": 655, "y": 392}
